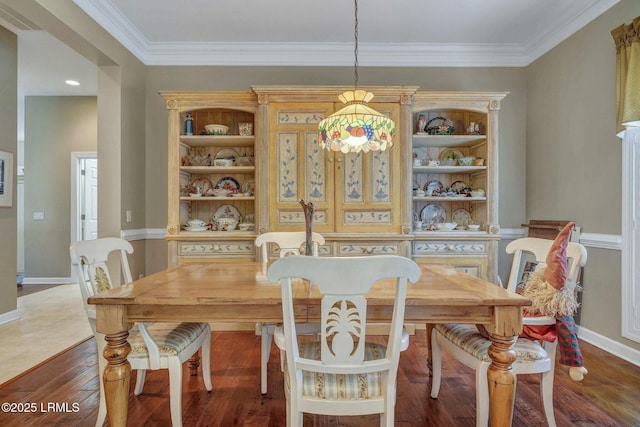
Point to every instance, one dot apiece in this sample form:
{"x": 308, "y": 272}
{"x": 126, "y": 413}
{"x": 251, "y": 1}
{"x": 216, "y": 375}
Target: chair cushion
{"x": 469, "y": 339}
{"x": 339, "y": 386}
{"x": 171, "y": 338}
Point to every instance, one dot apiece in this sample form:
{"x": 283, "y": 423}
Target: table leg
{"x": 193, "y": 364}
{"x": 502, "y": 380}
{"x": 117, "y": 378}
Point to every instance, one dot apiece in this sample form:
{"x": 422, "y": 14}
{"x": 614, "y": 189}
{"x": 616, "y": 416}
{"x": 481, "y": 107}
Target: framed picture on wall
{"x": 6, "y": 179}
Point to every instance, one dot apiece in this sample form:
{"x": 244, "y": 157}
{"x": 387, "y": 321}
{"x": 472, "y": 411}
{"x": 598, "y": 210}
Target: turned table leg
{"x": 193, "y": 364}
{"x": 117, "y": 378}
{"x": 502, "y": 380}
{"x": 429, "y": 327}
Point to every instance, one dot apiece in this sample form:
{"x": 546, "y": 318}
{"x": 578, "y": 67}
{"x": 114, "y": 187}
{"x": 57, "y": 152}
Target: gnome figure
{"x": 552, "y": 295}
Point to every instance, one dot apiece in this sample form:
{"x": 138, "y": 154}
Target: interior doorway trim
{"x": 630, "y": 234}
{"x": 76, "y": 224}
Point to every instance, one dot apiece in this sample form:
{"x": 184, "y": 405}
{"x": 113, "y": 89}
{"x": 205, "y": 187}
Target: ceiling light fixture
{"x": 356, "y": 127}
{"x": 72, "y": 83}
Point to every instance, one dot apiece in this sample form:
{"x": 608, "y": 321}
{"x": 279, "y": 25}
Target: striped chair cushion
{"x": 171, "y": 338}
{"x": 339, "y": 386}
{"x": 469, "y": 339}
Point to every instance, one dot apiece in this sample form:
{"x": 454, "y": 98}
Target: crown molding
{"x": 333, "y": 54}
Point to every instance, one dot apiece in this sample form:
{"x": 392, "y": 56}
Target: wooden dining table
{"x": 240, "y": 292}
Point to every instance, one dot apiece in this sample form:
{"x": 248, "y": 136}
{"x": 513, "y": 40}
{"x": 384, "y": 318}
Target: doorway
{"x": 84, "y": 196}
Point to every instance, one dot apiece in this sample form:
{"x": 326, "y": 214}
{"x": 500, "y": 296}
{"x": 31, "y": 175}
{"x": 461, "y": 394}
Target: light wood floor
{"x": 609, "y": 395}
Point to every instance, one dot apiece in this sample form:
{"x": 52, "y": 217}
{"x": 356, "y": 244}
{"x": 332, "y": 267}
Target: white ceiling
{"x": 295, "y": 32}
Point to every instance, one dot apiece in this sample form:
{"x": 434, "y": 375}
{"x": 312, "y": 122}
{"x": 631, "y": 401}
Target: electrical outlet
{"x": 129, "y": 215}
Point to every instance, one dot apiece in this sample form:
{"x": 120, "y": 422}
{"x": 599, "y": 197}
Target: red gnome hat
{"x": 556, "y": 272}
{"x": 549, "y": 291}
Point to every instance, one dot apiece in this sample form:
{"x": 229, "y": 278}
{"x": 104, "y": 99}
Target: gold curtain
{"x": 627, "y": 41}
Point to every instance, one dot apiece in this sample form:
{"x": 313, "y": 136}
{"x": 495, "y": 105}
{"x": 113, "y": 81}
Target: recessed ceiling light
{"x": 72, "y": 83}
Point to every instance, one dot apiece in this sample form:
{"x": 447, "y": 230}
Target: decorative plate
{"x": 432, "y": 214}
{"x": 227, "y": 211}
{"x": 227, "y": 153}
{"x": 204, "y": 184}
{"x": 458, "y": 186}
{"x": 461, "y": 217}
{"x": 433, "y": 188}
{"x": 229, "y": 183}
{"x": 450, "y": 153}
{"x": 249, "y": 186}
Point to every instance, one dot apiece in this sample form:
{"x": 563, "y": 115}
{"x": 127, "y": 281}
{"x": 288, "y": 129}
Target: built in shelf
{"x": 426, "y": 140}
{"x": 217, "y": 169}
{"x": 215, "y": 199}
{"x": 218, "y": 140}
{"x": 449, "y": 199}
{"x": 448, "y": 169}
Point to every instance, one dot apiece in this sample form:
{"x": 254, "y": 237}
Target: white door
{"x": 89, "y": 199}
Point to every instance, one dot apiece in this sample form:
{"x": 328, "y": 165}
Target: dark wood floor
{"x": 609, "y": 395}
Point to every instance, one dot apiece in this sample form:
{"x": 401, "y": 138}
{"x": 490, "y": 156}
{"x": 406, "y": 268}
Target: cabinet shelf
{"x": 449, "y": 199}
{"x": 426, "y": 140}
{"x": 215, "y": 199}
{"x": 217, "y": 169}
{"x": 218, "y": 140}
{"x": 448, "y": 169}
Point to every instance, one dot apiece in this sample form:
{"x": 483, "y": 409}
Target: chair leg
{"x": 175, "y": 391}
{"x": 546, "y": 394}
{"x": 265, "y": 352}
{"x": 140, "y": 377}
{"x": 482, "y": 395}
{"x": 206, "y": 360}
{"x": 436, "y": 364}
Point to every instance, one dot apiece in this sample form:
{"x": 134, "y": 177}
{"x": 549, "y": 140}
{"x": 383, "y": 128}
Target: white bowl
{"x": 223, "y": 162}
{"x": 226, "y": 224}
{"x": 220, "y": 192}
{"x": 446, "y": 226}
{"x": 466, "y": 161}
{"x": 245, "y": 226}
{"x": 477, "y": 193}
{"x": 473, "y": 227}
{"x": 196, "y": 223}
{"x": 216, "y": 129}
{"x": 195, "y": 194}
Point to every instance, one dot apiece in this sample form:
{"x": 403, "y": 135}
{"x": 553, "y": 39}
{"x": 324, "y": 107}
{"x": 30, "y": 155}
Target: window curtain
{"x": 627, "y": 41}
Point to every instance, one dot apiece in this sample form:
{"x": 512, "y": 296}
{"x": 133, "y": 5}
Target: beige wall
{"x": 556, "y": 129}
{"x": 8, "y": 142}
{"x": 574, "y": 157}
{"x": 54, "y": 127}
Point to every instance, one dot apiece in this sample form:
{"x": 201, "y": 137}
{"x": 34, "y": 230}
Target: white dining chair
{"x": 342, "y": 373}
{"x": 153, "y": 345}
{"x": 468, "y": 346}
{"x": 288, "y": 243}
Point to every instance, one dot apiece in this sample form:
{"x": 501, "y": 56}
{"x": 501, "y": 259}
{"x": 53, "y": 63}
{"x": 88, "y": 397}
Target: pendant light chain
{"x": 355, "y": 71}
{"x": 356, "y": 128}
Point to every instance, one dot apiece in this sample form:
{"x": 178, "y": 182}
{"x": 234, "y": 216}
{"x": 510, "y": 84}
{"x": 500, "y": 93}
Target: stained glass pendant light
{"x": 356, "y": 127}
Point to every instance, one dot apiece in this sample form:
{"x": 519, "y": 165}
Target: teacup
{"x": 434, "y": 162}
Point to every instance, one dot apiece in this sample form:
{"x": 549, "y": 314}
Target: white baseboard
{"x": 620, "y": 350}
{"x": 47, "y": 280}
{"x": 9, "y": 316}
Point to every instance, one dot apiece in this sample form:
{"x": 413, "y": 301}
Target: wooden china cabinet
{"x": 365, "y": 202}
{"x": 192, "y": 172}
{"x": 358, "y": 196}
{"x": 462, "y": 125}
